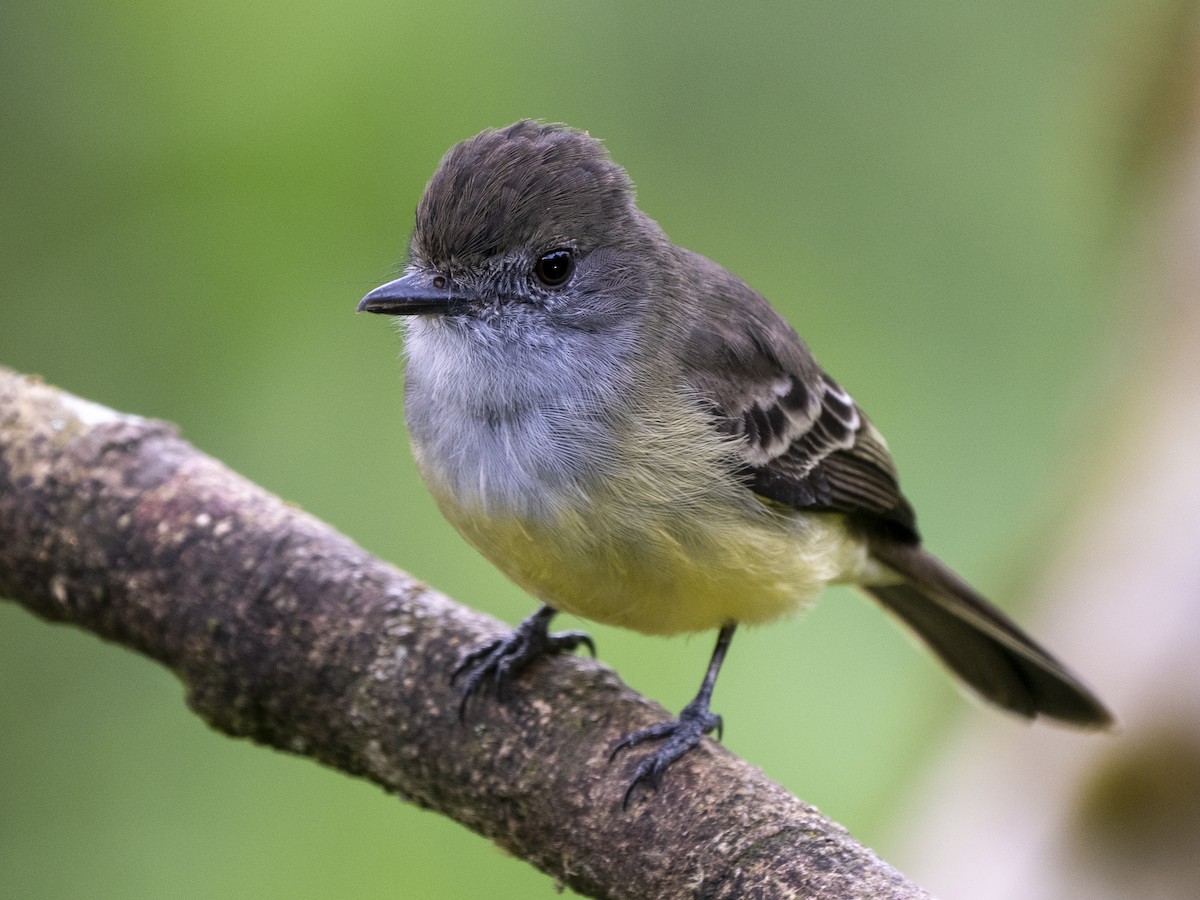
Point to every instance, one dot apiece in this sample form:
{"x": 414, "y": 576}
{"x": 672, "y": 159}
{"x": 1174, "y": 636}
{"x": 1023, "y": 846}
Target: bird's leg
{"x": 494, "y": 664}
{"x": 695, "y": 720}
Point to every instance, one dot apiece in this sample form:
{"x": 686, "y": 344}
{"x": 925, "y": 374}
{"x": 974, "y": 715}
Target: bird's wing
{"x": 803, "y": 441}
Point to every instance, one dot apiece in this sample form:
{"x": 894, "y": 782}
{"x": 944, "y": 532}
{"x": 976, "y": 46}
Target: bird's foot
{"x": 495, "y": 664}
{"x": 679, "y": 736}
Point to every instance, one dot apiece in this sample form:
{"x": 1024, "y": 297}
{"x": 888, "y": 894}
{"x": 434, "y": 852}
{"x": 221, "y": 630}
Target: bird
{"x": 634, "y": 435}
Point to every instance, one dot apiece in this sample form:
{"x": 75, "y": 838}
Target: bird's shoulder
{"x": 801, "y": 439}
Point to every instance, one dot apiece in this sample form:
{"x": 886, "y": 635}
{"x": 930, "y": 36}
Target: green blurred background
{"x": 193, "y": 198}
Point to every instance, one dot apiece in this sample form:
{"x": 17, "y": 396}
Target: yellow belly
{"x": 663, "y": 572}
{"x": 642, "y": 524}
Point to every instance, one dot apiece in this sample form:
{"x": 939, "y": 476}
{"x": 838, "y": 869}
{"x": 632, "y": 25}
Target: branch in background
{"x": 285, "y": 632}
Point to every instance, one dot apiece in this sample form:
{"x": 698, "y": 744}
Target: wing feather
{"x": 803, "y": 440}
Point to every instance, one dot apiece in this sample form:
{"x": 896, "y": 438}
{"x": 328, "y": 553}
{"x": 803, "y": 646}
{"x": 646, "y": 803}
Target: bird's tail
{"x": 979, "y": 643}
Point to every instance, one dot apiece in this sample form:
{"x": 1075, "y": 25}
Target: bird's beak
{"x": 416, "y": 295}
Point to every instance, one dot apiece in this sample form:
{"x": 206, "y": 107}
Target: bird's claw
{"x": 495, "y": 664}
{"x": 678, "y": 736}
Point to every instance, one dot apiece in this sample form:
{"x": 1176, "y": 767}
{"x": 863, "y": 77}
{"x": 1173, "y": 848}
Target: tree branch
{"x": 285, "y": 632}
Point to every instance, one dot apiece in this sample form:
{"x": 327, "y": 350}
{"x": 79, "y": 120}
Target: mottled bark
{"x": 285, "y": 632}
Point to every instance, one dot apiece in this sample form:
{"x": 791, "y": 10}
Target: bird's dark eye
{"x": 554, "y": 268}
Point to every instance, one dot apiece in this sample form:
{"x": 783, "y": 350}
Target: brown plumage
{"x": 633, "y": 434}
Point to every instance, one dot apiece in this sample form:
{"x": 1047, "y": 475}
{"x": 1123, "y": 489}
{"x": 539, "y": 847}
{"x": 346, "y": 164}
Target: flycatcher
{"x": 634, "y": 435}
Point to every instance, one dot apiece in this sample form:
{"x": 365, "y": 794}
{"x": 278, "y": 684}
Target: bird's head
{"x": 532, "y": 221}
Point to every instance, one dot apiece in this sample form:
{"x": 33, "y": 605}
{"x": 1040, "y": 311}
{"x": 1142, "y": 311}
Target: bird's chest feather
{"x": 627, "y": 513}
{"x": 508, "y": 427}
{"x": 526, "y": 464}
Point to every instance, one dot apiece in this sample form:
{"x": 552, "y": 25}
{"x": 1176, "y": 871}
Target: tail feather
{"x": 979, "y": 643}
